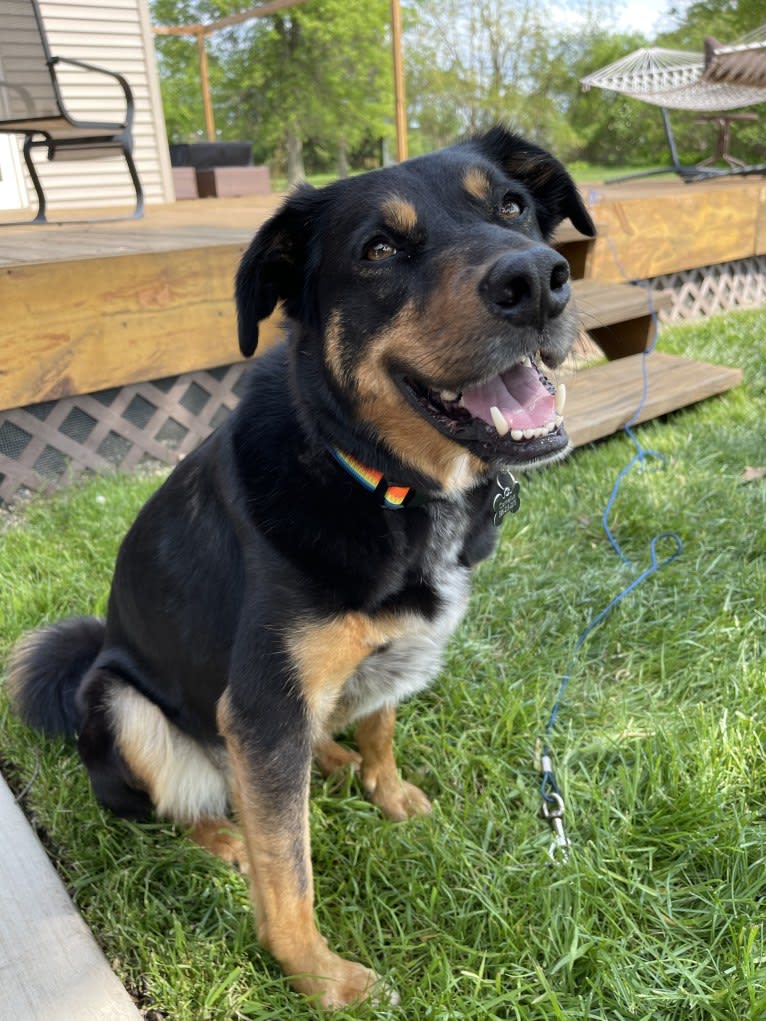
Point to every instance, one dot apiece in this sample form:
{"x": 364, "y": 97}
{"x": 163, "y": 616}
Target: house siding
{"x": 116, "y": 35}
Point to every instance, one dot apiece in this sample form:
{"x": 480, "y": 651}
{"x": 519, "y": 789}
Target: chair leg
{"x": 40, "y": 217}
{"x": 138, "y": 212}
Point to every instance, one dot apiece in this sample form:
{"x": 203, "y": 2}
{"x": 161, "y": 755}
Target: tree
{"x": 471, "y": 63}
{"x": 315, "y": 77}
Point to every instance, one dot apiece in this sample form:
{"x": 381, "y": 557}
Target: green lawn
{"x": 661, "y": 751}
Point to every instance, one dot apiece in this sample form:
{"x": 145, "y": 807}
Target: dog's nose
{"x": 528, "y": 288}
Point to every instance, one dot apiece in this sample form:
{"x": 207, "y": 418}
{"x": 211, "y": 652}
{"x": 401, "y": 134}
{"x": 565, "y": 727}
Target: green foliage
{"x": 316, "y": 79}
{"x": 318, "y": 74}
{"x": 661, "y": 751}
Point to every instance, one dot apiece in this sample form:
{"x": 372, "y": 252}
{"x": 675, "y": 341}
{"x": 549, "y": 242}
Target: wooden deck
{"x": 93, "y": 305}
{"x": 51, "y": 967}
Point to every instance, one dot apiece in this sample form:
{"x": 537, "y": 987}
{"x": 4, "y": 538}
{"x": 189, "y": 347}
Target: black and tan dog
{"x": 304, "y": 568}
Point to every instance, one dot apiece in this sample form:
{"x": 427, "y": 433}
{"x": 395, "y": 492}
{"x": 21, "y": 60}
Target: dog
{"x": 303, "y": 569}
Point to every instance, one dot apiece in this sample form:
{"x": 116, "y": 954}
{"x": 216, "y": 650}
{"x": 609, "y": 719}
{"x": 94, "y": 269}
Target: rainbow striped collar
{"x": 392, "y": 497}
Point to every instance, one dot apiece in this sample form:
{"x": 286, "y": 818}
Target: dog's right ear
{"x": 273, "y": 267}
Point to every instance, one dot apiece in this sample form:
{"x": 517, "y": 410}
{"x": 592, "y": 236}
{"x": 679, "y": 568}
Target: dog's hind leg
{"x": 138, "y": 760}
{"x": 380, "y": 778}
{"x": 221, "y": 838}
{"x": 332, "y": 757}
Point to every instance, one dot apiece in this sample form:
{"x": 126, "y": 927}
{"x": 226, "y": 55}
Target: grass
{"x": 661, "y": 751}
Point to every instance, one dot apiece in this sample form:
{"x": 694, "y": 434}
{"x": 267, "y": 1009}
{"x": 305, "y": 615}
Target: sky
{"x": 644, "y": 15}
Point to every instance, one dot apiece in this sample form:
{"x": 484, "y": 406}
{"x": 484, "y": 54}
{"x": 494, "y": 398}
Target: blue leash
{"x": 553, "y": 801}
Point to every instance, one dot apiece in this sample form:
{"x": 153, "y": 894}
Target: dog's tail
{"x": 45, "y": 671}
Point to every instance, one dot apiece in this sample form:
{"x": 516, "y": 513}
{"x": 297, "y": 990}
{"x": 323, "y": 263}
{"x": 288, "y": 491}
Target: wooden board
{"x": 51, "y": 968}
{"x": 601, "y": 399}
{"x": 601, "y": 303}
{"x": 89, "y": 326}
{"x": 650, "y": 231}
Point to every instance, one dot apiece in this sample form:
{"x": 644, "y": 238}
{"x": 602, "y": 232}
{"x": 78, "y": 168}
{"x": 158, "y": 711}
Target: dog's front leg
{"x": 380, "y": 778}
{"x": 270, "y": 786}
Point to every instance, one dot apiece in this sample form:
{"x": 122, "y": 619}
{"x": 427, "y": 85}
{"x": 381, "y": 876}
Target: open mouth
{"x": 514, "y": 417}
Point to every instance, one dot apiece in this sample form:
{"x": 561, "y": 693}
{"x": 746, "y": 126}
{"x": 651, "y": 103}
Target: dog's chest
{"x": 411, "y": 661}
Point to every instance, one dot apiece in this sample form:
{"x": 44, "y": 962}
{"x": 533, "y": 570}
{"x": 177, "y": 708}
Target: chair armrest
{"x": 112, "y": 74}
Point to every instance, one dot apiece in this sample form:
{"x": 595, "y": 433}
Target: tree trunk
{"x": 296, "y": 172}
{"x": 343, "y": 167}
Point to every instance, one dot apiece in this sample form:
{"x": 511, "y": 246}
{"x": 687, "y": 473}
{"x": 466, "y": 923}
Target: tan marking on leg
{"x": 185, "y": 780}
{"x": 380, "y": 778}
{"x": 281, "y": 885}
{"x": 332, "y": 757}
{"x": 326, "y": 653}
{"x": 477, "y": 183}
{"x": 223, "y": 839}
{"x": 400, "y": 214}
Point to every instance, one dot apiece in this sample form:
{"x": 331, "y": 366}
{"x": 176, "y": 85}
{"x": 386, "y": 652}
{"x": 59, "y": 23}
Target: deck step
{"x": 52, "y": 968}
{"x": 601, "y": 399}
{"x": 619, "y": 317}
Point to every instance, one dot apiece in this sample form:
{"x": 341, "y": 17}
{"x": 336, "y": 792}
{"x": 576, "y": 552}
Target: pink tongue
{"x": 520, "y": 396}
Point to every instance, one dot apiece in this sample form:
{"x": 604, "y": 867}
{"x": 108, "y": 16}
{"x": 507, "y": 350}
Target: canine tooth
{"x": 561, "y": 398}
{"x": 449, "y": 395}
{"x": 499, "y": 420}
{"x": 517, "y": 434}
{"x": 527, "y": 361}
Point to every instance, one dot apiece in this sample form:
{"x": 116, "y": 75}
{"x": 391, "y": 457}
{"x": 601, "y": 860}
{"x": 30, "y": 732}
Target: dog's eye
{"x": 510, "y": 208}
{"x": 378, "y": 250}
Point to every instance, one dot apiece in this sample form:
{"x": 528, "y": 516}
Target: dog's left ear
{"x": 554, "y": 191}
{"x": 273, "y": 267}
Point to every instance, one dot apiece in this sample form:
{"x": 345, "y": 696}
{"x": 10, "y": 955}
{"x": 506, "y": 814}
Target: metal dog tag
{"x": 507, "y": 500}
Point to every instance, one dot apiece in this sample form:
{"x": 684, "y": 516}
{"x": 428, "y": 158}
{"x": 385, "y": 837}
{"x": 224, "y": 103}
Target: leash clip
{"x": 552, "y": 811}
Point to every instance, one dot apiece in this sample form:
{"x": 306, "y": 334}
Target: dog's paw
{"x": 397, "y": 799}
{"x": 343, "y": 983}
{"x": 332, "y": 757}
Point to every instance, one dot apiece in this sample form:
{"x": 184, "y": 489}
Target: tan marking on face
{"x": 333, "y": 346}
{"x": 477, "y": 183}
{"x": 400, "y": 214}
{"x": 421, "y": 340}
{"x": 281, "y": 882}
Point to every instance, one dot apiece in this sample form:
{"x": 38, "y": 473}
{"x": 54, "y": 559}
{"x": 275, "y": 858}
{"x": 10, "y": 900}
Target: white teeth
{"x": 449, "y": 395}
{"x": 561, "y": 398}
{"x": 526, "y": 361}
{"x": 499, "y": 420}
{"x": 517, "y": 434}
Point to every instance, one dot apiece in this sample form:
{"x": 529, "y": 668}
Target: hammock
{"x": 725, "y": 77}
{"x": 675, "y": 79}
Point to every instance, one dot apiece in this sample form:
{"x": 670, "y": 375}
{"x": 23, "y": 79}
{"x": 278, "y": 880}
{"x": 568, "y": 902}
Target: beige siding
{"x": 114, "y": 34}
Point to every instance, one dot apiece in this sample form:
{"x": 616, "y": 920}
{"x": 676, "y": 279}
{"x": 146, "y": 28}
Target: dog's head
{"x": 423, "y": 299}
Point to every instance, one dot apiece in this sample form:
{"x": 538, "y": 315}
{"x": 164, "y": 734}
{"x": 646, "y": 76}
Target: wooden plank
{"x": 760, "y": 225}
{"x": 654, "y": 232}
{"x": 601, "y": 399}
{"x": 50, "y": 964}
{"x": 601, "y": 303}
{"x": 80, "y": 327}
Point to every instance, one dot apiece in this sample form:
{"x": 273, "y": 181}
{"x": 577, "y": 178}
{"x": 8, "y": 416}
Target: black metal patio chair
{"x": 32, "y": 104}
